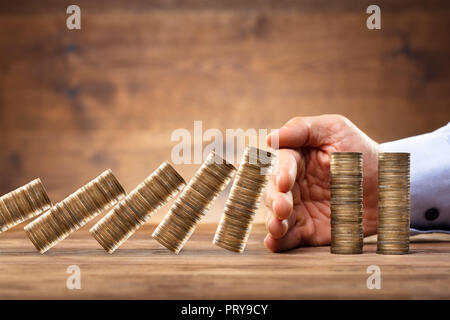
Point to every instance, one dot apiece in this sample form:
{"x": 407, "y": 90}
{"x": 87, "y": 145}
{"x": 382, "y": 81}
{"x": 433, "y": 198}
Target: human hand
{"x": 298, "y": 194}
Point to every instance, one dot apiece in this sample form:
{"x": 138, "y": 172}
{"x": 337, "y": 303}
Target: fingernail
{"x": 278, "y": 181}
{"x": 273, "y": 132}
{"x": 273, "y": 139}
{"x": 285, "y": 225}
{"x": 273, "y": 205}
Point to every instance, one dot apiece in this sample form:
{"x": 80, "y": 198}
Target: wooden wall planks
{"x": 73, "y": 103}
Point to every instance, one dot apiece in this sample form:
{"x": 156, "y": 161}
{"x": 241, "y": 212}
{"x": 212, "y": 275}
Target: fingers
{"x": 282, "y": 192}
{"x": 304, "y": 132}
{"x": 291, "y": 240}
{"x": 280, "y": 203}
{"x": 269, "y": 193}
{"x": 279, "y": 212}
{"x": 290, "y": 167}
{"x": 289, "y": 233}
{"x": 277, "y": 228}
{"x": 286, "y": 171}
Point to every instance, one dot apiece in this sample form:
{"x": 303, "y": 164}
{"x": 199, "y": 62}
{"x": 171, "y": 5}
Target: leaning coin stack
{"x": 138, "y": 207}
{"x": 75, "y": 211}
{"x": 346, "y": 203}
{"x": 251, "y": 178}
{"x": 194, "y": 202}
{"x": 393, "y": 203}
{"x": 22, "y": 204}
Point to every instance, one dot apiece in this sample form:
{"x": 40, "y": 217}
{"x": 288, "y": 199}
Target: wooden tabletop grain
{"x": 142, "y": 269}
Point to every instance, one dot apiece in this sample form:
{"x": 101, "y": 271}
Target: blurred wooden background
{"x": 73, "y": 103}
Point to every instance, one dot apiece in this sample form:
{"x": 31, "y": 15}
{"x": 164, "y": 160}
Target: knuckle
{"x": 341, "y": 118}
{"x": 296, "y": 121}
{"x": 344, "y": 120}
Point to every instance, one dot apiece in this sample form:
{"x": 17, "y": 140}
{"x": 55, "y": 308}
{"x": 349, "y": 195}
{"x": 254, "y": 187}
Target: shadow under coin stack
{"x": 393, "y": 203}
{"x": 245, "y": 196}
{"x": 22, "y": 204}
{"x": 194, "y": 202}
{"x": 75, "y": 211}
{"x": 138, "y": 207}
{"x": 346, "y": 203}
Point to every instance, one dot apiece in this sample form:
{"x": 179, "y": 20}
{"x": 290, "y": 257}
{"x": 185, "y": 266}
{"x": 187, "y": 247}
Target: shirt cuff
{"x": 430, "y": 179}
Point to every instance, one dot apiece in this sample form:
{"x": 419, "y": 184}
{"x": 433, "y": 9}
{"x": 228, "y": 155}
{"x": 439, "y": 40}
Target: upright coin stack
{"x": 194, "y": 202}
{"x": 133, "y": 211}
{"x": 251, "y": 178}
{"x": 22, "y": 204}
{"x": 393, "y": 203}
{"x": 346, "y": 203}
{"x": 75, "y": 211}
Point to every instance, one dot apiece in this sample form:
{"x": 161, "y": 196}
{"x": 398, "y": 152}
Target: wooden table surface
{"x": 142, "y": 269}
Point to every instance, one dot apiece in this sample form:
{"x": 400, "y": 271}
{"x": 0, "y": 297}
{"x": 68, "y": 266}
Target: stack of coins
{"x": 138, "y": 207}
{"x": 251, "y": 178}
{"x": 75, "y": 211}
{"x": 194, "y": 202}
{"x": 22, "y": 204}
{"x": 346, "y": 203}
{"x": 393, "y": 203}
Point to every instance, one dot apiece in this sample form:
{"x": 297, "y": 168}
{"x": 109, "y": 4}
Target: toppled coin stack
{"x": 75, "y": 211}
{"x": 193, "y": 203}
{"x": 346, "y": 203}
{"x": 138, "y": 207}
{"x": 22, "y": 204}
{"x": 393, "y": 203}
{"x": 251, "y": 178}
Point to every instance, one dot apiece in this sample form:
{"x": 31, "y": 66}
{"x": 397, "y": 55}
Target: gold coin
{"x": 184, "y": 215}
{"x": 393, "y": 203}
{"x": 137, "y": 208}
{"x": 244, "y": 199}
{"x": 346, "y": 203}
{"x": 75, "y": 211}
{"x": 22, "y": 204}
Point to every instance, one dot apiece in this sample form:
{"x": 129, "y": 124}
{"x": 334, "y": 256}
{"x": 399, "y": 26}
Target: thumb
{"x": 305, "y": 132}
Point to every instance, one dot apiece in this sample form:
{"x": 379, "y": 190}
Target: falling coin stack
{"x": 138, "y": 207}
{"x": 193, "y": 203}
{"x": 75, "y": 211}
{"x": 393, "y": 203}
{"x": 245, "y": 196}
{"x": 22, "y": 204}
{"x": 346, "y": 203}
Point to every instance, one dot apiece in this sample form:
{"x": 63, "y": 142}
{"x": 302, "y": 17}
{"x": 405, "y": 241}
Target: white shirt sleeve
{"x": 430, "y": 178}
